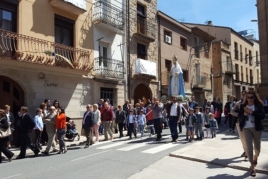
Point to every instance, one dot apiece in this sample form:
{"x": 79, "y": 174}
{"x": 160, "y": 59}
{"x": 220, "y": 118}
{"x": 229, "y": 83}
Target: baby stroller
{"x": 71, "y": 132}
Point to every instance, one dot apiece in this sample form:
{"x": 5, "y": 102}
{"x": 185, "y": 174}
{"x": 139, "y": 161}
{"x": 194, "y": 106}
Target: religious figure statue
{"x": 176, "y": 82}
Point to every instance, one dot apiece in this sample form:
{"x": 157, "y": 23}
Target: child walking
{"x": 206, "y": 115}
{"x": 213, "y": 125}
{"x": 190, "y": 122}
{"x": 141, "y": 122}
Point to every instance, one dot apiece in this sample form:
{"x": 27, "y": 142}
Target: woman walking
{"x": 61, "y": 129}
{"x": 250, "y": 115}
{"x": 3, "y": 148}
{"x": 97, "y": 121}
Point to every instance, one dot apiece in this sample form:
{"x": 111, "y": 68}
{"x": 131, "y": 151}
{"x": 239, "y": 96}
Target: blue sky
{"x": 236, "y": 14}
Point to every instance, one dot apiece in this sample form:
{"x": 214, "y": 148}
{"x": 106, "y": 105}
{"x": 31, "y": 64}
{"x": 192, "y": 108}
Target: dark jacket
{"x": 178, "y": 110}
{"x": 194, "y": 119}
{"x": 26, "y": 123}
{"x": 195, "y": 104}
{"x": 4, "y": 125}
{"x": 89, "y": 120}
{"x": 258, "y": 114}
{"x": 120, "y": 116}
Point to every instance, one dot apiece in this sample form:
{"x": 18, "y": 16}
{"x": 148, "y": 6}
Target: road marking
{"x": 12, "y": 176}
{"x": 160, "y": 148}
{"x": 133, "y": 146}
{"x": 113, "y": 145}
{"x": 90, "y": 155}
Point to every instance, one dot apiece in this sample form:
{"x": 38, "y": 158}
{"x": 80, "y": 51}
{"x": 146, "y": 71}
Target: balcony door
{"x": 197, "y": 73}
{"x": 7, "y": 23}
{"x": 13, "y": 95}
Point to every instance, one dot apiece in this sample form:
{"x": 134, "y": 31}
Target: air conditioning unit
{"x": 168, "y": 39}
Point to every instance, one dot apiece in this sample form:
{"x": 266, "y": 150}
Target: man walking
{"x": 51, "y": 129}
{"x": 120, "y": 120}
{"x": 26, "y": 126}
{"x": 107, "y": 119}
{"x": 174, "y": 113}
{"x": 157, "y": 108}
{"x": 88, "y": 122}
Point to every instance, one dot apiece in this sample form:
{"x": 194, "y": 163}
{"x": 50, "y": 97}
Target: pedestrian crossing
{"x": 146, "y": 145}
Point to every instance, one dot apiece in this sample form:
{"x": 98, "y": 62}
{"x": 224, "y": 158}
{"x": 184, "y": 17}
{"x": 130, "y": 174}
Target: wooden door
{"x": 11, "y": 94}
{"x": 140, "y": 92}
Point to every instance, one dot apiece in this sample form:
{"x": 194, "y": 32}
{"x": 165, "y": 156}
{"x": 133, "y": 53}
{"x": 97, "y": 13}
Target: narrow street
{"x": 118, "y": 159}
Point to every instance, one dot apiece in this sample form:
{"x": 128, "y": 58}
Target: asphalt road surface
{"x": 117, "y": 159}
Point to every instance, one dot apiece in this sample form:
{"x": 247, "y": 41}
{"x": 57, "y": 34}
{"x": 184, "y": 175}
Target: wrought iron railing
{"x": 228, "y": 67}
{"x": 250, "y": 61}
{"x": 108, "y": 13}
{"x": 165, "y": 78}
{"x": 251, "y": 80}
{"x": 146, "y": 28}
{"x": 246, "y": 58}
{"x": 109, "y": 67}
{"x": 200, "y": 80}
{"x": 30, "y": 49}
{"x": 236, "y": 54}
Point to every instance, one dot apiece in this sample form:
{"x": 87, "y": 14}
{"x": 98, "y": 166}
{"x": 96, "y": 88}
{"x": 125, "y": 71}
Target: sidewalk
{"x": 225, "y": 151}
{"x": 68, "y": 143}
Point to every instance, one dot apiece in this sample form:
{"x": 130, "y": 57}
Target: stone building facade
{"x": 262, "y": 6}
{"x": 223, "y": 82}
{"x": 192, "y": 46}
{"x": 243, "y": 57}
{"x": 143, "y": 75}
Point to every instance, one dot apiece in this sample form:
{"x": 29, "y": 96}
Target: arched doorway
{"x": 141, "y": 91}
{"x": 13, "y": 95}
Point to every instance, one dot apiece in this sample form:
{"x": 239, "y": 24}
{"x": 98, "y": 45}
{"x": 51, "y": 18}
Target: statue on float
{"x": 176, "y": 82}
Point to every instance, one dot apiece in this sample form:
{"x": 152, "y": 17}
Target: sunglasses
{"x": 250, "y": 97}
{"x": 87, "y": 107}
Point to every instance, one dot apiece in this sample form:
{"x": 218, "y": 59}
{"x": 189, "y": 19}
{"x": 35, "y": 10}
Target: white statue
{"x": 176, "y": 83}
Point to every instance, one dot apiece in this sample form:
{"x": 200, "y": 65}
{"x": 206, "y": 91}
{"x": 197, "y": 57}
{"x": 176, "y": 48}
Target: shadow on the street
{"x": 223, "y": 161}
{"x": 224, "y": 176}
{"x": 233, "y": 138}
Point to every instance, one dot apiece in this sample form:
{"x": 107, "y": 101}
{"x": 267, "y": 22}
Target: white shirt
{"x": 251, "y": 119}
{"x": 8, "y": 120}
{"x": 173, "y": 109}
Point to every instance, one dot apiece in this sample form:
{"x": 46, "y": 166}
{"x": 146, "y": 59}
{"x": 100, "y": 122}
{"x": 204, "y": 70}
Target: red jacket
{"x": 107, "y": 115}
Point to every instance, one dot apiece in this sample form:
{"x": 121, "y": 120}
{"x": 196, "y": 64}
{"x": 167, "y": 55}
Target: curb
{"x": 216, "y": 163}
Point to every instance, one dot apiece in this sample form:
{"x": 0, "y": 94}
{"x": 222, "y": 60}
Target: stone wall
{"x": 152, "y": 47}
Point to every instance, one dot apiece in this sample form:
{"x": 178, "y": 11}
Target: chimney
{"x": 210, "y": 23}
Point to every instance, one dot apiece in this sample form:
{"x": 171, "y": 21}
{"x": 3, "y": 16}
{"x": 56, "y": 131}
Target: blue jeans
{"x": 141, "y": 130}
{"x": 173, "y": 122}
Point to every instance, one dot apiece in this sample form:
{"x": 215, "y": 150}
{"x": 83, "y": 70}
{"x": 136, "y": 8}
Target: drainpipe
{"x": 128, "y": 51}
{"x": 159, "y": 57}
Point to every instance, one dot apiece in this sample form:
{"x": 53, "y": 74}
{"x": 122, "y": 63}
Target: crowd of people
{"x": 50, "y": 123}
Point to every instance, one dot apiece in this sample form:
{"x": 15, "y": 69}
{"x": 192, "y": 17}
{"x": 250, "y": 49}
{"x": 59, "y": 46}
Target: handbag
{"x": 5, "y": 132}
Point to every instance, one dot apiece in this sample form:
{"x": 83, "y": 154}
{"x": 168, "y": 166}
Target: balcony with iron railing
{"x": 200, "y": 81}
{"x": 236, "y": 52}
{"x": 145, "y": 29}
{"x": 251, "y": 80}
{"x": 250, "y": 61}
{"x": 14, "y": 46}
{"x": 108, "y": 68}
{"x": 70, "y": 6}
{"x": 107, "y": 13}
{"x": 228, "y": 67}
